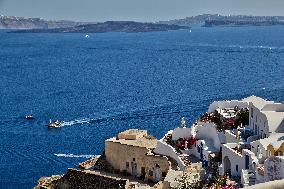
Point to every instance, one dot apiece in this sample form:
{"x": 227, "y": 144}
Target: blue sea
{"x": 110, "y": 82}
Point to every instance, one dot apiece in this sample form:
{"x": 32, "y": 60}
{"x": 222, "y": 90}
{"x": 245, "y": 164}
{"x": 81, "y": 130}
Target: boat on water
{"x": 55, "y": 124}
{"x": 29, "y": 117}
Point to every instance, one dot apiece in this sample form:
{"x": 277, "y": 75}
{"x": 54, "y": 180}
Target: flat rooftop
{"x": 144, "y": 142}
{"x": 133, "y": 132}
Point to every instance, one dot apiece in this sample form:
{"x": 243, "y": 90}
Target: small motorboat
{"x": 55, "y": 124}
{"x": 30, "y": 116}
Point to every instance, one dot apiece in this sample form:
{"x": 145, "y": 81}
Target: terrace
{"x": 227, "y": 118}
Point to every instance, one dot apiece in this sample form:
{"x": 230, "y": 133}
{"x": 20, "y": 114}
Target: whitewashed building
{"x": 250, "y": 159}
{"x": 265, "y": 117}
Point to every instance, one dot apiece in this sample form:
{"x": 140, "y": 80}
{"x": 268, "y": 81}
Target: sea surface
{"x": 110, "y": 82}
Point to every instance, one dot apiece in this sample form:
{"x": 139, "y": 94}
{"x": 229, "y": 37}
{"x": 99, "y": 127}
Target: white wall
{"x": 252, "y": 158}
{"x": 234, "y": 157}
{"x": 194, "y": 150}
{"x": 181, "y": 133}
{"x": 278, "y": 107}
{"x": 259, "y": 150}
{"x": 208, "y": 131}
{"x": 231, "y": 138}
{"x": 167, "y": 150}
{"x": 222, "y": 137}
{"x": 258, "y": 122}
{"x": 226, "y": 104}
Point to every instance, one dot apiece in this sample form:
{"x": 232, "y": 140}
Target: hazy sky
{"x": 138, "y": 10}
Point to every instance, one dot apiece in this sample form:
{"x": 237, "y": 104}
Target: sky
{"x": 137, "y": 10}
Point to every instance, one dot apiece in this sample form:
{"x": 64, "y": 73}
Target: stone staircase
{"x": 252, "y": 179}
{"x": 249, "y": 178}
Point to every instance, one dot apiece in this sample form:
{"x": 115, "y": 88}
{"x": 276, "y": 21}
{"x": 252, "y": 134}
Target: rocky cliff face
{"x": 13, "y": 22}
{"x": 75, "y": 179}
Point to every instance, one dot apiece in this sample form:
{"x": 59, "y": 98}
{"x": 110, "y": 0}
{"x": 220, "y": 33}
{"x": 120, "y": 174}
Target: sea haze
{"x": 110, "y": 82}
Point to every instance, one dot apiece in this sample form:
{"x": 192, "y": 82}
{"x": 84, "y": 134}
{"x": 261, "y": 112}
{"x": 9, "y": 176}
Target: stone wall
{"x": 277, "y": 184}
{"x": 76, "y": 179}
{"x": 274, "y": 168}
{"x": 136, "y": 161}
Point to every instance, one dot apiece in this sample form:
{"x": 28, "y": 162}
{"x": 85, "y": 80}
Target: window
{"x": 127, "y": 165}
{"x": 133, "y": 159}
{"x": 143, "y": 172}
{"x": 279, "y": 153}
{"x": 251, "y": 110}
{"x": 255, "y": 129}
{"x": 237, "y": 168}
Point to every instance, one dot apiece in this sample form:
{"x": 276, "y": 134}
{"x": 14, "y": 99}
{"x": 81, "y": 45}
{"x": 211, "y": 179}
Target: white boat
{"x": 30, "y": 116}
{"x": 55, "y": 124}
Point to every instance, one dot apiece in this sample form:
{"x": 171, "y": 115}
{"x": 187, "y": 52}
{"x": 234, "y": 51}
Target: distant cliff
{"x": 13, "y": 22}
{"x": 244, "y": 21}
{"x": 188, "y": 21}
{"x": 110, "y": 26}
{"x": 210, "y": 20}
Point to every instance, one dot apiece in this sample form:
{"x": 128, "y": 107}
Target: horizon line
{"x": 135, "y": 20}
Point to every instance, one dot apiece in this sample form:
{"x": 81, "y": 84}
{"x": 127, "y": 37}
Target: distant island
{"x": 14, "y": 22}
{"x": 211, "y": 20}
{"x": 39, "y": 25}
{"x": 109, "y": 26}
{"x": 245, "y": 21}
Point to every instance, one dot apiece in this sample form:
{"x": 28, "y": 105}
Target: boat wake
{"x": 119, "y": 116}
{"x": 74, "y": 156}
{"x": 76, "y": 121}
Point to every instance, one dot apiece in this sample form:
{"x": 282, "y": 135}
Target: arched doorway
{"x": 157, "y": 173}
{"x": 227, "y": 165}
{"x": 134, "y": 168}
